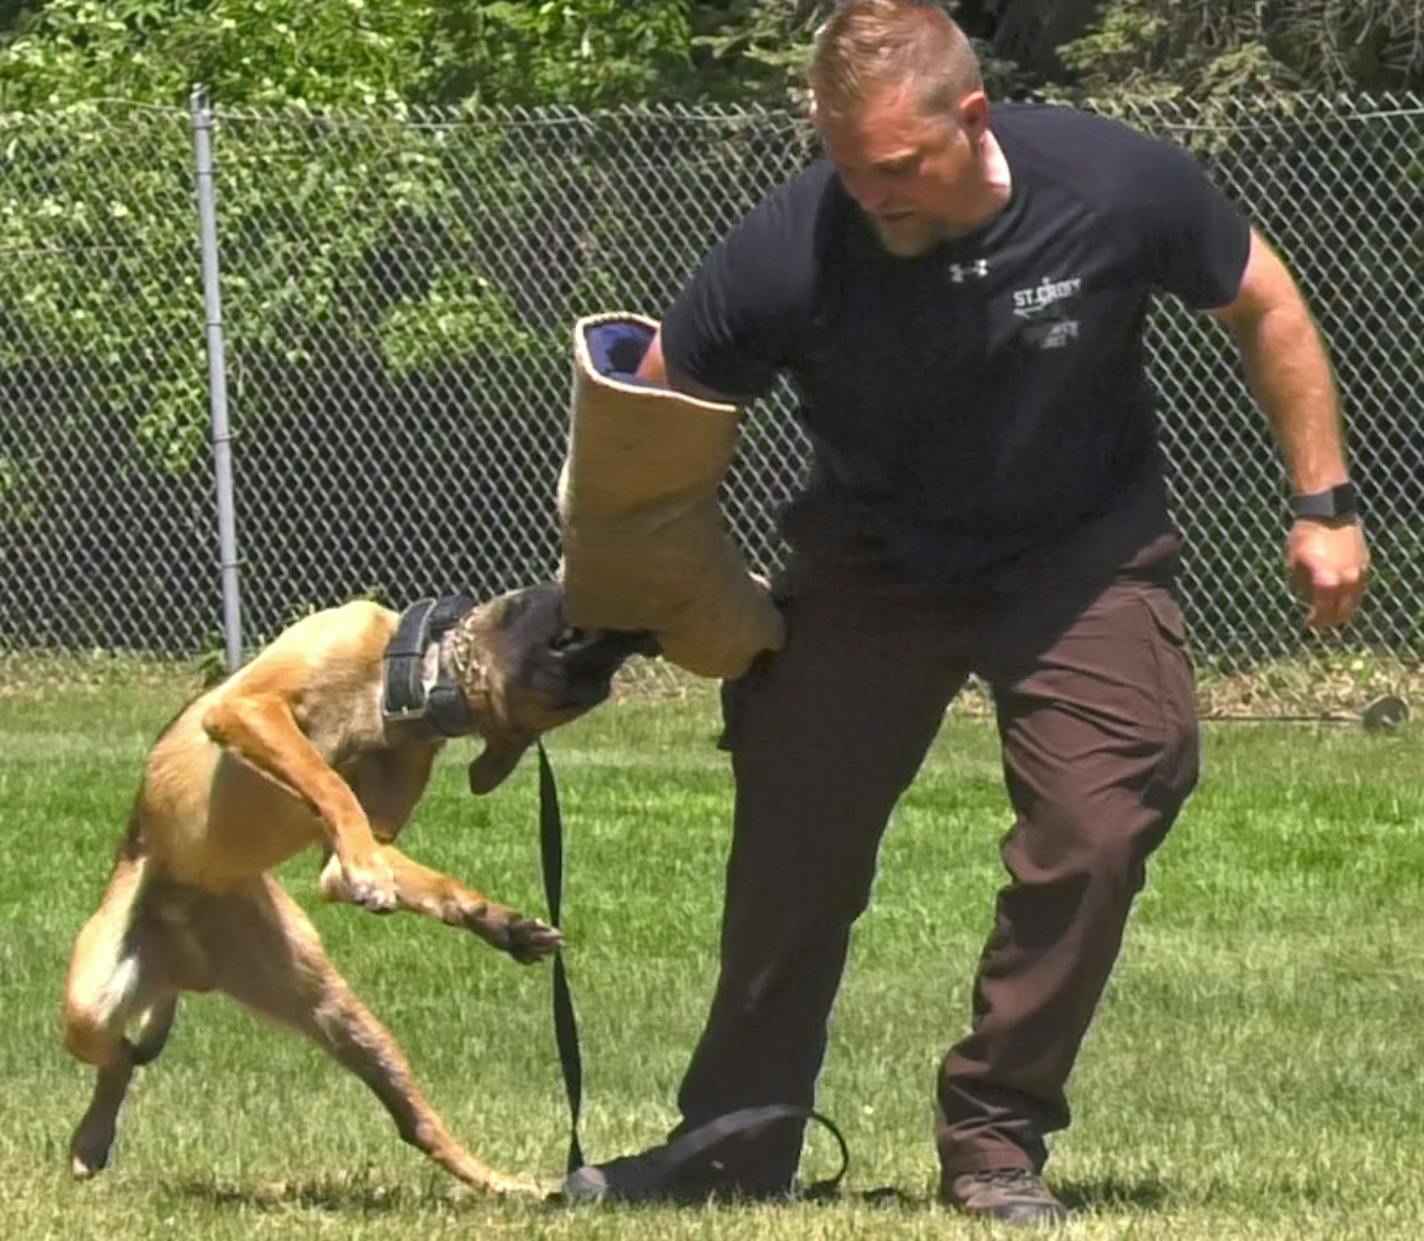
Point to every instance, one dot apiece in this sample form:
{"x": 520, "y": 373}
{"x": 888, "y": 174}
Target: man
{"x": 959, "y": 301}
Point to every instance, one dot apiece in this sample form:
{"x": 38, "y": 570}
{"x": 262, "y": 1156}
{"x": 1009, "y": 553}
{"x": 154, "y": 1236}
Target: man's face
{"x": 913, "y": 174}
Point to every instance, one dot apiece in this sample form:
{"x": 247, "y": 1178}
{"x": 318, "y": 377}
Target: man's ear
{"x": 492, "y": 765}
{"x": 974, "y": 114}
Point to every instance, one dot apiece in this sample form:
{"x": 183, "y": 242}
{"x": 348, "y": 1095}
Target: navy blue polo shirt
{"x": 989, "y": 396}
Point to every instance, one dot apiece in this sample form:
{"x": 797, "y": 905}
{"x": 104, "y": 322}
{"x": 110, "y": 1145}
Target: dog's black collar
{"x": 403, "y": 694}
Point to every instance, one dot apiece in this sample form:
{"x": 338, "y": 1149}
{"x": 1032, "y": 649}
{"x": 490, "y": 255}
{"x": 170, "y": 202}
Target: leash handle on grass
{"x": 551, "y": 847}
{"x": 689, "y": 1146}
{"x": 654, "y": 1175}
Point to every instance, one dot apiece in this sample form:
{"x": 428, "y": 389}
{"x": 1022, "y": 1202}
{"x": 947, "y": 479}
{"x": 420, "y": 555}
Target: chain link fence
{"x": 398, "y": 293}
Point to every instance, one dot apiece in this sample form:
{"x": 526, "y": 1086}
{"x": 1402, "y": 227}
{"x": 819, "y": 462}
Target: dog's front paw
{"x": 371, "y": 883}
{"x": 516, "y": 1186}
{"x": 529, "y": 939}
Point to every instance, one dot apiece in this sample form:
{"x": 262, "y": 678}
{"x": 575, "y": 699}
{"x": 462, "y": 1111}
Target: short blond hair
{"x": 868, "y": 46}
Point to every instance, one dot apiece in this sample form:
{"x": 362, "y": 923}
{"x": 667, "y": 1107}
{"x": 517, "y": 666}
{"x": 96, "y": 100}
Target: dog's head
{"x": 524, "y": 671}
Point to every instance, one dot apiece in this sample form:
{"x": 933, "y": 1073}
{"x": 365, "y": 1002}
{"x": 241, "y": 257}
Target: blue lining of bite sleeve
{"x": 617, "y": 347}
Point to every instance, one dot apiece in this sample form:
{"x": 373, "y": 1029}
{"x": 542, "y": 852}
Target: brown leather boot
{"x": 1009, "y": 1195}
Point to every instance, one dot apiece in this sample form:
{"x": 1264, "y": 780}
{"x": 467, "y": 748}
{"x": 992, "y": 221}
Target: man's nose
{"x": 872, "y": 193}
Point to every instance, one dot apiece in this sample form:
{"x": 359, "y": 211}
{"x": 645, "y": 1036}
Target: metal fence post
{"x": 228, "y": 562}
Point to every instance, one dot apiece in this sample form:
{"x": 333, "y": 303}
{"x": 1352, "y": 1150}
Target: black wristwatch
{"x": 1332, "y": 502}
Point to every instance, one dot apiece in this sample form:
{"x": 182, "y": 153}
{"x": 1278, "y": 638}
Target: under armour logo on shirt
{"x": 960, "y": 272}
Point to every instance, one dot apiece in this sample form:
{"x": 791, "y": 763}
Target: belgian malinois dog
{"x": 300, "y": 747}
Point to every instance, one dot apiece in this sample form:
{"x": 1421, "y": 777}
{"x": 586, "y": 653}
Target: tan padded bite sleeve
{"x": 644, "y": 542}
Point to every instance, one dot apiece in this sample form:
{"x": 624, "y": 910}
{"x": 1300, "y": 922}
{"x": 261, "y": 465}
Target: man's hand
{"x": 1328, "y": 564}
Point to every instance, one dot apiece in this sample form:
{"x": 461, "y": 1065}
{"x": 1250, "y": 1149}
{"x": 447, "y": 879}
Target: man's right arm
{"x": 654, "y": 369}
{"x": 735, "y": 322}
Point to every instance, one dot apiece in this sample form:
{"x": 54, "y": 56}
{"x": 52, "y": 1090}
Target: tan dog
{"x": 292, "y": 750}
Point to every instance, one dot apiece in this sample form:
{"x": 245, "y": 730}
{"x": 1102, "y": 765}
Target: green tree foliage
{"x": 1106, "y": 48}
{"x": 753, "y": 51}
{"x": 756, "y": 51}
{"x": 586, "y": 53}
{"x": 101, "y": 276}
{"x": 337, "y": 53}
{"x": 1217, "y": 48}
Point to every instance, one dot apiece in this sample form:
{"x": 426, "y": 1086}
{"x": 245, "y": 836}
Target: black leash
{"x": 551, "y": 849}
{"x": 663, "y": 1162}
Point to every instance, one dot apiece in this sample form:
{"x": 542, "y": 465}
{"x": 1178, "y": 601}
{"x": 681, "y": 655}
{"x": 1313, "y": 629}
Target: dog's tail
{"x": 104, "y": 989}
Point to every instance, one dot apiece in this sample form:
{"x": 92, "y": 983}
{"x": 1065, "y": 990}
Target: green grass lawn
{"x": 1257, "y": 1069}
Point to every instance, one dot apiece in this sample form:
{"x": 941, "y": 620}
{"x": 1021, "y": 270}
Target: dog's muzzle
{"x": 589, "y": 658}
{"x": 537, "y": 672}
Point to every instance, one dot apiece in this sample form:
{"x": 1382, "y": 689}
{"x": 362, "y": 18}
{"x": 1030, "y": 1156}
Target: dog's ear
{"x": 492, "y": 765}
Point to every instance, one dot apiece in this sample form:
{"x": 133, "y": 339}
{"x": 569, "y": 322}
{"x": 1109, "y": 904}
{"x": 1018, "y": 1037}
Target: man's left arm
{"x": 1289, "y": 375}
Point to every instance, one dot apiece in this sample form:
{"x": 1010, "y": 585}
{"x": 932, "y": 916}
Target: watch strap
{"x": 1338, "y": 501}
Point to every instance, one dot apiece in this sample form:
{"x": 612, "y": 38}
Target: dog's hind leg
{"x": 266, "y": 953}
{"x": 112, "y": 979}
{"x": 93, "y": 1138}
{"x": 154, "y": 1025}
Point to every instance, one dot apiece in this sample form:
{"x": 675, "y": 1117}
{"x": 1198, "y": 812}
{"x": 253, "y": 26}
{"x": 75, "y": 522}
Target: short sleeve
{"x": 1202, "y": 239}
{"x": 733, "y": 325}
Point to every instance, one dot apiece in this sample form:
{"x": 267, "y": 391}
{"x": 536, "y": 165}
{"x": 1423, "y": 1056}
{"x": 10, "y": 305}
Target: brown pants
{"x": 1093, "y": 692}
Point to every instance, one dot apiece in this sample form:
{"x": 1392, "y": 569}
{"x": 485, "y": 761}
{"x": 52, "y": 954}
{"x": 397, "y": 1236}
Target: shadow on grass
{"x": 1107, "y": 1194}
{"x": 1111, "y": 1193}
{"x": 366, "y": 1197}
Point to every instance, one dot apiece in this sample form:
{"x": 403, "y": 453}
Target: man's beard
{"x": 909, "y": 237}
